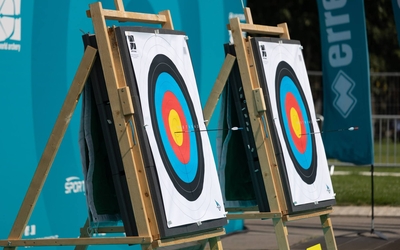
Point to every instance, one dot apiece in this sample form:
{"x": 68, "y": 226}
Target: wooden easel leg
{"x": 84, "y": 234}
{"x": 218, "y": 87}
{"x": 215, "y": 243}
{"x": 328, "y": 232}
{"x": 52, "y": 145}
{"x": 281, "y": 233}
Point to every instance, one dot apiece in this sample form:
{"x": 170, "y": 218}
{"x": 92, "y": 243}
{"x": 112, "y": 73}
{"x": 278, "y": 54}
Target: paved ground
{"x": 352, "y": 227}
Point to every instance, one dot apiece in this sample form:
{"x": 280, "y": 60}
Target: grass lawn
{"x": 355, "y": 189}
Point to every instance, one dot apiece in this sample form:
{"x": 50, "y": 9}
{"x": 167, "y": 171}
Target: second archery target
{"x": 180, "y": 163}
{"x": 283, "y": 77}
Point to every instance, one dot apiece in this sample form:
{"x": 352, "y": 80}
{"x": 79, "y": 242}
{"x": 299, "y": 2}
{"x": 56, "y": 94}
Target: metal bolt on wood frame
{"x": 122, "y": 111}
{"x": 266, "y": 152}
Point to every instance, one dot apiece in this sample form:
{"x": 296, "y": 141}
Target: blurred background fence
{"x": 385, "y": 104}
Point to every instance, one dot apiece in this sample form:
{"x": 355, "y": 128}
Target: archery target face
{"x": 295, "y": 121}
{"x": 173, "y": 121}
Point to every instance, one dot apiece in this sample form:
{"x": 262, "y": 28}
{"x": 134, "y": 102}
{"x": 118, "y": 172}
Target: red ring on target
{"x": 176, "y": 126}
{"x": 296, "y": 120}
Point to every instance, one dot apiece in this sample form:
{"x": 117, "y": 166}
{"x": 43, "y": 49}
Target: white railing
{"x": 386, "y": 138}
{"x": 386, "y": 142}
{"x": 385, "y": 103}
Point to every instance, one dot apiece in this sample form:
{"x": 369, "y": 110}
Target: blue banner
{"x": 40, "y": 49}
{"x": 346, "y": 82}
{"x": 396, "y": 12}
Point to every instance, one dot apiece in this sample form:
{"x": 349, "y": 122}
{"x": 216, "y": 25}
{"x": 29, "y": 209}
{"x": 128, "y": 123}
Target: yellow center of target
{"x": 295, "y": 121}
{"x": 175, "y": 127}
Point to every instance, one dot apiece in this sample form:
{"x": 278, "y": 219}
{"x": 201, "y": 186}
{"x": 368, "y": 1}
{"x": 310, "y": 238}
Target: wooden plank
{"x": 126, "y": 100}
{"x": 248, "y": 16}
{"x": 118, "y": 229}
{"x": 119, "y": 5}
{"x": 84, "y": 234}
{"x": 307, "y": 214}
{"x": 215, "y": 243}
{"x": 259, "y": 100}
{"x": 253, "y": 215}
{"x": 260, "y": 29}
{"x": 123, "y": 16}
{"x": 327, "y": 229}
{"x": 189, "y": 238}
{"x": 285, "y": 28}
{"x": 242, "y": 209}
{"x": 168, "y": 20}
{"x": 218, "y": 87}
{"x": 281, "y": 233}
{"x": 75, "y": 241}
{"x": 53, "y": 144}
{"x": 130, "y": 152}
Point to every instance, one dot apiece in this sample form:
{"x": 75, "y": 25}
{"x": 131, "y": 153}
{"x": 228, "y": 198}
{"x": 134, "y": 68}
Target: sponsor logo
{"x": 217, "y": 205}
{"x": 328, "y": 189}
{"x": 132, "y": 43}
{"x": 74, "y": 185}
{"x": 340, "y": 52}
{"x": 30, "y": 230}
{"x": 10, "y": 25}
{"x": 344, "y": 101}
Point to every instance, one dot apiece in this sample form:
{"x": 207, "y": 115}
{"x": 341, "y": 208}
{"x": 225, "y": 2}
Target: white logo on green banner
{"x": 343, "y": 86}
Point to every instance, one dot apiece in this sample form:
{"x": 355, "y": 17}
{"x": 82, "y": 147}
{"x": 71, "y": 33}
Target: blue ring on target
{"x": 165, "y": 82}
{"x": 188, "y": 177}
{"x": 287, "y": 83}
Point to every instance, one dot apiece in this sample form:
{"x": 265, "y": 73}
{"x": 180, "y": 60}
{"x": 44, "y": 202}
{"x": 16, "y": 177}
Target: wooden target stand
{"x": 122, "y": 111}
{"x": 266, "y": 152}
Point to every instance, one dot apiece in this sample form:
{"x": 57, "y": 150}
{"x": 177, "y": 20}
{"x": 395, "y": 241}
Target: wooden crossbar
{"x": 76, "y": 241}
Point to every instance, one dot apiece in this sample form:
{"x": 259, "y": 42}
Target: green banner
{"x": 347, "y": 130}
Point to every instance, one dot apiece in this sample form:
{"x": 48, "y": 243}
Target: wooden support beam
{"x": 260, "y": 29}
{"x": 84, "y": 234}
{"x": 285, "y": 28}
{"x": 248, "y": 16}
{"x": 129, "y": 144}
{"x": 281, "y": 233}
{"x": 168, "y": 20}
{"x": 218, "y": 87}
{"x": 119, "y": 5}
{"x": 185, "y": 239}
{"x": 307, "y": 214}
{"x": 253, "y": 215}
{"x": 123, "y": 16}
{"x": 76, "y": 241}
{"x": 215, "y": 243}
{"x": 53, "y": 144}
{"x": 327, "y": 229}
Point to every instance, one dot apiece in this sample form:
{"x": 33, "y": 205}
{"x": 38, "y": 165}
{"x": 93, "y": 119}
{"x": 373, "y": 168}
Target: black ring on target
{"x": 190, "y": 190}
{"x": 305, "y": 160}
